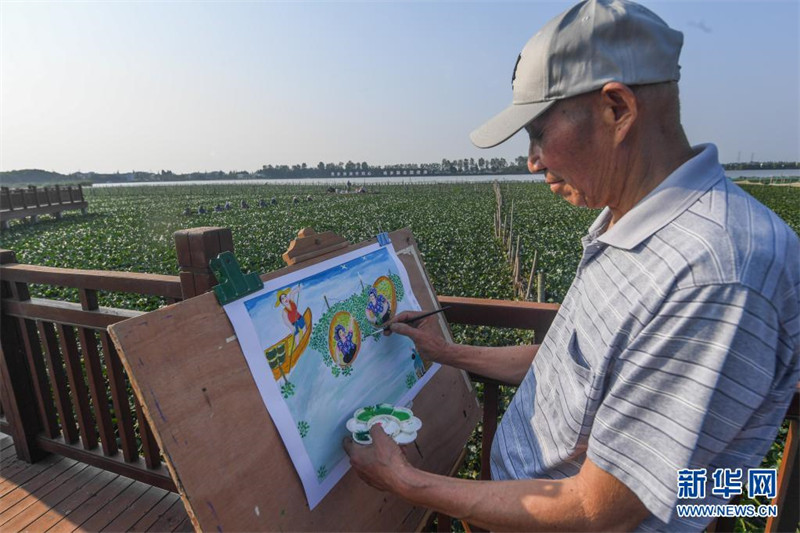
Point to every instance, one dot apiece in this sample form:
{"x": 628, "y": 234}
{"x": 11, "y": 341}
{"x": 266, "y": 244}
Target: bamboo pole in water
{"x": 530, "y": 277}
{"x": 540, "y": 287}
{"x": 511, "y": 225}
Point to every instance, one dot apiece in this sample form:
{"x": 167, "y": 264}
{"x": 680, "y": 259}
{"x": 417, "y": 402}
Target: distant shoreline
{"x": 23, "y": 178}
{"x": 350, "y": 172}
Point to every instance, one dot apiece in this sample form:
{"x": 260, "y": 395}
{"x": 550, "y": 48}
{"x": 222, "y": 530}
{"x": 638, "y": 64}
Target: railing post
{"x": 16, "y": 385}
{"x": 5, "y": 198}
{"x": 6, "y": 192}
{"x": 32, "y": 190}
{"x": 58, "y": 201}
{"x": 788, "y": 477}
{"x": 81, "y": 198}
{"x": 491, "y": 398}
{"x": 196, "y": 247}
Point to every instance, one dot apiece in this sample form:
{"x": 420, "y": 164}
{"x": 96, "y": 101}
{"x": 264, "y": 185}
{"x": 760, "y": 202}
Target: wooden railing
{"x": 34, "y": 202}
{"x": 63, "y": 389}
{"x": 62, "y": 385}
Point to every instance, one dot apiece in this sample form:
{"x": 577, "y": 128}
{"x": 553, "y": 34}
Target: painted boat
{"x": 276, "y": 355}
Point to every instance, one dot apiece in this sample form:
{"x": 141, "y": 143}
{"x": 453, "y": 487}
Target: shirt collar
{"x": 663, "y": 204}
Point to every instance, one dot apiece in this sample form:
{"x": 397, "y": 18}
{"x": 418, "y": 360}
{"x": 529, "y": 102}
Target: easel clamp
{"x": 233, "y": 283}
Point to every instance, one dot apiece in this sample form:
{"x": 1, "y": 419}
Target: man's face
{"x": 566, "y": 145}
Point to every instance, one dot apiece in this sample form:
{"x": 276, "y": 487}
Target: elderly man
{"x": 677, "y": 348}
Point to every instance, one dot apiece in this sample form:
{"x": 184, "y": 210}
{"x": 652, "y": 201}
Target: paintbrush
{"x": 415, "y": 319}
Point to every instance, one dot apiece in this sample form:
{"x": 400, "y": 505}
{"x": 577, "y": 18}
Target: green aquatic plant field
{"x": 130, "y": 229}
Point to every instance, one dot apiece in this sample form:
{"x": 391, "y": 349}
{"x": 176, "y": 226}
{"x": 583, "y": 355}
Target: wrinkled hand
{"x": 426, "y": 334}
{"x": 381, "y": 464}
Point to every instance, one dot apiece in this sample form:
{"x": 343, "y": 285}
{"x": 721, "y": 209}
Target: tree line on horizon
{"x": 350, "y": 169}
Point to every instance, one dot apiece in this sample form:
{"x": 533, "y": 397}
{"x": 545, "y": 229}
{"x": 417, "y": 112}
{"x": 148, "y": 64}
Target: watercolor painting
{"x": 314, "y": 344}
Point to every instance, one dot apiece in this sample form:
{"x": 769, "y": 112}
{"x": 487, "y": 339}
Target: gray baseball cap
{"x": 579, "y": 51}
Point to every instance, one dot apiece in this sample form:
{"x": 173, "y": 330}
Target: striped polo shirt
{"x": 677, "y": 346}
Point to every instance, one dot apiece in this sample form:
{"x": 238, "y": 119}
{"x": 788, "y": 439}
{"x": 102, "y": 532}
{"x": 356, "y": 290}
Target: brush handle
{"x": 415, "y": 319}
{"x": 426, "y": 315}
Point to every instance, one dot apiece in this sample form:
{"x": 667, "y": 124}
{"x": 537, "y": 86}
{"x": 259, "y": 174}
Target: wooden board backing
{"x": 220, "y": 444}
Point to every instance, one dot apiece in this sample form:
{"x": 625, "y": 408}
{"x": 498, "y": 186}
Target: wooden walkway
{"x": 59, "y": 494}
{"x": 31, "y": 203}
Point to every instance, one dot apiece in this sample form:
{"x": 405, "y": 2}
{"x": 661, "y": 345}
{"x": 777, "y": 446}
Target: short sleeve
{"x": 685, "y": 388}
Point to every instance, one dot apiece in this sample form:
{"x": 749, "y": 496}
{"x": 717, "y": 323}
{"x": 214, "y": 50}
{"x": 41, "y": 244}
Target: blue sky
{"x": 200, "y": 86}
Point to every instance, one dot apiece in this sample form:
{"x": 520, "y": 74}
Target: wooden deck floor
{"x": 59, "y": 494}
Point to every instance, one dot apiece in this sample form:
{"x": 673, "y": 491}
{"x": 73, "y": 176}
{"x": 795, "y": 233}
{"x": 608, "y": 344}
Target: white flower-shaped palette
{"x": 397, "y": 422}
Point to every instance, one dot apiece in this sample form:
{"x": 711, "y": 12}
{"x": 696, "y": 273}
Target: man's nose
{"x": 534, "y": 163}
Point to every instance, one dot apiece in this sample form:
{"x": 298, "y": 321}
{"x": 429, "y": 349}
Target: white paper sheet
{"x": 314, "y": 372}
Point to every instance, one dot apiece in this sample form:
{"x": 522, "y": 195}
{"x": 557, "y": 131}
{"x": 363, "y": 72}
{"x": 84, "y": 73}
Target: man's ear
{"x": 620, "y": 109}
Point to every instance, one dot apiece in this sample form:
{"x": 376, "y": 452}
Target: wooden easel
{"x": 219, "y": 443}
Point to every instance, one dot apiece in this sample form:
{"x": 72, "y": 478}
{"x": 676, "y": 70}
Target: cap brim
{"x": 506, "y": 123}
